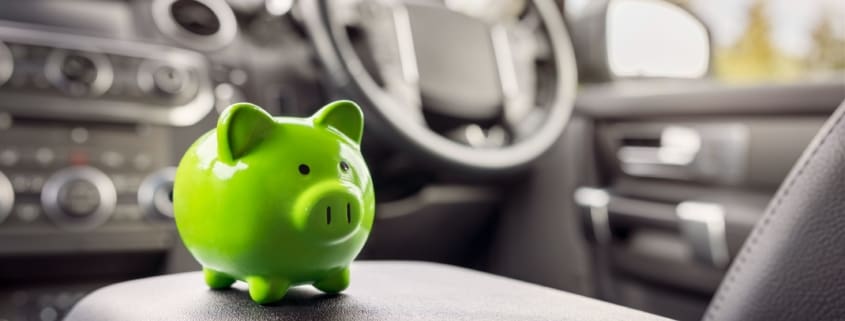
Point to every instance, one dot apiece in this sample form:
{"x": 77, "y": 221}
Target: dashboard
{"x": 97, "y": 101}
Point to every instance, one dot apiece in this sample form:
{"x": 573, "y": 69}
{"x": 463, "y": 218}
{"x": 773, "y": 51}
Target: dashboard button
{"x": 45, "y": 156}
{"x": 9, "y": 157}
{"x": 156, "y": 77}
{"x": 28, "y": 212}
{"x": 20, "y": 183}
{"x": 112, "y": 159}
{"x": 142, "y": 162}
{"x": 168, "y": 80}
{"x": 36, "y": 183}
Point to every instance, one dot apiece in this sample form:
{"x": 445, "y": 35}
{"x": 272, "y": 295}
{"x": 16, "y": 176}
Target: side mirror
{"x": 618, "y": 39}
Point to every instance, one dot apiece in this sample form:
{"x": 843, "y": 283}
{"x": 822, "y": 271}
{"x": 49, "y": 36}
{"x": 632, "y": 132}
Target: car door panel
{"x": 663, "y": 147}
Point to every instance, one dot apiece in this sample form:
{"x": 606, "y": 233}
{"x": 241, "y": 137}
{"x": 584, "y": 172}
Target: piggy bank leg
{"x": 266, "y": 290}
{"x": 335, "y": 282}
{"x": 217, "y": 280}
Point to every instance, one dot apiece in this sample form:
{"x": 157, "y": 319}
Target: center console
{"x": 84, "y": 125}
{"x": 97, "y": 101}
{"x": 85, "y": 164}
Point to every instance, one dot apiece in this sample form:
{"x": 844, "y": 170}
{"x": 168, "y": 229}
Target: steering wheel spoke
{"x": 389, "y": 38}
{"x": 515, "y": 53}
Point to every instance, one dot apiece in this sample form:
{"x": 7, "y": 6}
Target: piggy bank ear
{"x": 240, "y": 128}
{"x": 344, "y": 116}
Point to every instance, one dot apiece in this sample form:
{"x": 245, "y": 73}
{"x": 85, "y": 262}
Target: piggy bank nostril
{"x": 331, "y": 211}
{"x": 348, "y": 213}
{"x": 328, "y": 215}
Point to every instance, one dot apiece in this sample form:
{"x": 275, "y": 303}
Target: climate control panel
{"x": 84, "y": 186}
{"x": 85, "y": 139}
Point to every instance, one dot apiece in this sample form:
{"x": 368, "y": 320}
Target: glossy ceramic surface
{"x": 276, "y": 201}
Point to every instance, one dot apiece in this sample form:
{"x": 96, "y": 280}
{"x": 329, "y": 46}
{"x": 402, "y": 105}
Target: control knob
{"x": 79, "y": 198}
{"x": 156, "y": 194}
{"x": 79, "y": 73}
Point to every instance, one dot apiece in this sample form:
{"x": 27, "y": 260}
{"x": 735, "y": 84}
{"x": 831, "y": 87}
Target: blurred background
{"x": 767, "y": 40}
{"x": 618, "y": 149}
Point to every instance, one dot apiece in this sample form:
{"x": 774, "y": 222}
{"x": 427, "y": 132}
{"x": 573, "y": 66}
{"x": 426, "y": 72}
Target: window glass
{"x": 769, "y": 40}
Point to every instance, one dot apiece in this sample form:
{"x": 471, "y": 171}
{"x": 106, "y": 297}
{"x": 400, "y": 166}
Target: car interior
{"x": 532, "y": 159}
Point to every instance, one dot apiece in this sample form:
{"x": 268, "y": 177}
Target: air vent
{"x": 199, "y": 24}
{"x": 195, "y": 17}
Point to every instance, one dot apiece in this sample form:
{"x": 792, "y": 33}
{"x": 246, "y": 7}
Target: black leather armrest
{"x": 379, "y": 291}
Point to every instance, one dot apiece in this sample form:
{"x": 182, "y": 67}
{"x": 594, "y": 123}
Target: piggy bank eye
{"x": 304, "y": 169}
{"x": 344, "y": 166}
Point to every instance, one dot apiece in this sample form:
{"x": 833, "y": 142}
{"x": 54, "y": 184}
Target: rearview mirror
{"x": 640, "y": 39}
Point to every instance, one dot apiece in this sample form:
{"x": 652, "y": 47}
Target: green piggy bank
{"x": 276, "y": 201}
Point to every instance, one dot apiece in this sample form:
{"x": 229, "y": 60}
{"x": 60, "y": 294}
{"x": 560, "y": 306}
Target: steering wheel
{"x": 483, "y": 88}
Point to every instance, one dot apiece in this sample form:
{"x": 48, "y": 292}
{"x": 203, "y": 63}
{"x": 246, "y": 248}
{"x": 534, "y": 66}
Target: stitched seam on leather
{"x": 767, "y": 219}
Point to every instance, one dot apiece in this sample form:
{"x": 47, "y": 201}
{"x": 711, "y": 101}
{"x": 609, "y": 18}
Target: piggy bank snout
{"x": 332, "y": 211}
